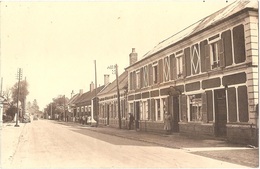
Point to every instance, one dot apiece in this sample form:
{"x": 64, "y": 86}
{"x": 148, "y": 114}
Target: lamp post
{"x": 19, "y": 76}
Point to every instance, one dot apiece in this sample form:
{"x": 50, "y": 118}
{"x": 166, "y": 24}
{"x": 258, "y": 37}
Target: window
{"x": 155, "y": 73}
{"x": 144, "y": 110}
{"x": 195, "y": 107}
{"x": 131, "y": 108}
{"x": 195, "y": 59}
{"x": 158, "y": 109}
{"x": 179, "y": 65}
{"x": 82, "y": 109}
{"x": 214, "y": 53}
{"x": 137, "y": 79}
{"x": 86, "y": 108}
{"x": 141, "y": 110}
{"x": 78, "y": 109}
{"x": 166, "y": 70}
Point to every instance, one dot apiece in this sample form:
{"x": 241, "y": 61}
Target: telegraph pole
{"x": 95, "y": 103}
{"x": 19, "y": 76}
{"x": 118, "y": 98}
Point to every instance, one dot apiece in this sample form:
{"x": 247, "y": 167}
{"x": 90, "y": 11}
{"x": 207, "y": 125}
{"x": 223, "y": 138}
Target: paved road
{"x": 46, "y": 144}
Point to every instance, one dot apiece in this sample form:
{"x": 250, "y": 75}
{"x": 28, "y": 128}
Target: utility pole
{"x": 118, "y": 98}
{"x": 19, "y": 76}
{"x": 95, "y": 100}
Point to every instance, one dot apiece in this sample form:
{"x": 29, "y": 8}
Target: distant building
{"x": 206, "y": 77}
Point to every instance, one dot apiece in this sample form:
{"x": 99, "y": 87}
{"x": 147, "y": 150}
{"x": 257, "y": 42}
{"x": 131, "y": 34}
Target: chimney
{"x": 106, "y": 79}
{"x": 91, "y": 86}
{"x": 133, "y": 57}
{"x": 80, "y": 91}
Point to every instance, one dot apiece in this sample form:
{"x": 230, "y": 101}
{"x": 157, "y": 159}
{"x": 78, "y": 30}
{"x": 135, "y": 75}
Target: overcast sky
{"x": 56, "y": 43}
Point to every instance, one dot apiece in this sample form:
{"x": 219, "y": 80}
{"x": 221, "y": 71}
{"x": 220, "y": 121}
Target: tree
{"x": 11, "y": 111}
{"x": 7, "y": 94}
{"x": 22, "y": 94}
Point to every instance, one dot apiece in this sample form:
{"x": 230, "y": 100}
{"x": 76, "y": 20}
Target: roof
{"x": 204, "y": 23}
{"x": 85, "y": 97}
{"x": 73, "y": 99}
{"x": 112, "y": 87}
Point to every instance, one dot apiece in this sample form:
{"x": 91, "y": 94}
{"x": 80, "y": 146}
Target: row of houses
{"x": 205, "y": 76}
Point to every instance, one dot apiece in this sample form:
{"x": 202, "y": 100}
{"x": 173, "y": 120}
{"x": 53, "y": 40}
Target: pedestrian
{"x": 86, "y": 119}
{"x": 167, "y": 122}
{"x": 83, "y": 120}
{"x": 131, "y": 120}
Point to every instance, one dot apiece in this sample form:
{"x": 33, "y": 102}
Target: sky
{"x": 56, "y": 42}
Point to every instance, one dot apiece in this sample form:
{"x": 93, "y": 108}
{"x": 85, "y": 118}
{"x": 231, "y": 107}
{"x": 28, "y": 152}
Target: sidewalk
{"x": 10, "y": 137}
{"x": 209, "y": 147}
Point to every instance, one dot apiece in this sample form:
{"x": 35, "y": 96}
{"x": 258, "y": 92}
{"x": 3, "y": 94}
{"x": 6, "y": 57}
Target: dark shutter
{"x": 239, "y": 44}
{"x": 202, "y": 55}
{"x": 204, "y": 107}
{"x": 184, "y": 116}
{"x": 209, "y": 105}
{"x": 243, "y": 104}
{"x": 150, "y": 67}
{"x": 187, "y": 61}
{"x": 153, "y": 109}
{"x": 207, "y": 58}
{"x": 134, "y": 80}
{"x": 232, "y": 106}
{"x": 141, "y": 78}
{"x": 131, "y": 81}
{"x": 221, "y": 53}
{"x": 183, "y": 66}
{"x": 160, "y": 72}
{"x": 149, "y": 109}
{"x": 226, "y": 36}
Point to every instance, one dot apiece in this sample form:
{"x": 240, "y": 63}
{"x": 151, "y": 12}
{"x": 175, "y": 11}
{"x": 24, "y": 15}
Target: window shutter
{"x": 184, "y": 116}
{"x": 131, "y": 81}
{"x": 141, "y": 77}
{"x": 150, "y": 75}
{"x": 134, "y": 80}
{"x": 204, "y": 107}
{"x": 149, "y": 109}
{"x": 153, "y": 109}
{"x": 173, "y": 67}
{"x": 184, "y": 66}
{"x": 160, "y": 72}
{"x": 221, "y": 53}
{"x": 207, "y": 58}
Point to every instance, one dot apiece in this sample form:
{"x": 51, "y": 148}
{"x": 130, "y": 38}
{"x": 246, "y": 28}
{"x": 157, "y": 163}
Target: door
{"x": 220, "y": 113}
{"x": 137, "y": 114}
{"x": 175, "y": 114}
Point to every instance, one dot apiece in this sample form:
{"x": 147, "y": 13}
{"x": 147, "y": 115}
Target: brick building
{"x": 205, "y": 76}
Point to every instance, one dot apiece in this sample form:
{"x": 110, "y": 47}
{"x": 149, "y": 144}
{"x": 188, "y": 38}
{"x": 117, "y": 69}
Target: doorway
{"x": 137, "y": 114}
{"x": 175, "y": 114}
{"x": 220, "y": 113}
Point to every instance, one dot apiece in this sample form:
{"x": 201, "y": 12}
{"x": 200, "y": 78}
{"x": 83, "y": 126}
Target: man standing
{"x": 131, "y": 120}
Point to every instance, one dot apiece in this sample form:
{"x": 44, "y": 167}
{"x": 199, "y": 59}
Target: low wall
{"x": 245, "y": 134}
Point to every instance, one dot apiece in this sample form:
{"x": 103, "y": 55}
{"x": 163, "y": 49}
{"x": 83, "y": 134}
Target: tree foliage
{"x": 23, "y": 92}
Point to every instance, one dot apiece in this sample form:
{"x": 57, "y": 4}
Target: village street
{"x": 50, "y": 144}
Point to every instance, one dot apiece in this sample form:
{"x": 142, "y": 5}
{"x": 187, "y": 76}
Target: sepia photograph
{"x": 129, "y": 84}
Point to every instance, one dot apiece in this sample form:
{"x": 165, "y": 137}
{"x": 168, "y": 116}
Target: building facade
{"x": 206, "y": 77}
{"x": 108, "y": 103}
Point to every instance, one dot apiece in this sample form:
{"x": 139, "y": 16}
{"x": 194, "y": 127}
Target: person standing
{"x": 167, "y": 122}
{"x": 131, "y": 120}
